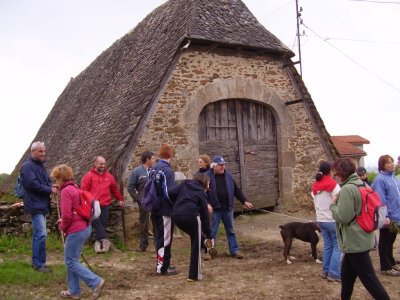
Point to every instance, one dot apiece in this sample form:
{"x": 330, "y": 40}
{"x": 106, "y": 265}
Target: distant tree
{"x": 397, "y": 170}
{"x": 371, "y": 176}
{"x": 3, "y": 177}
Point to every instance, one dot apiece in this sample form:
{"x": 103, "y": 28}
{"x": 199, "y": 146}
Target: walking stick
{"x": 58, "y": 218}
{"x": 62, "y": 234}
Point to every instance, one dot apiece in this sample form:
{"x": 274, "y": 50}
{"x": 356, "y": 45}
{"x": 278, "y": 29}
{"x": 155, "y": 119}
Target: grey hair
{"x": 36, "y": 145}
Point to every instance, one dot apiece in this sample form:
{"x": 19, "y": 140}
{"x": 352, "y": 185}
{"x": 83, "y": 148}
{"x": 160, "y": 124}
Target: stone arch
{"x": 254, "y": 90}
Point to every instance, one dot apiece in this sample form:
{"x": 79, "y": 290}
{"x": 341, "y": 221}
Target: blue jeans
{"x": 331, "y": 257}
{"x": 39, "y": 234}
{"x": 75, "y": 270}
{"x": 227, "y": 218}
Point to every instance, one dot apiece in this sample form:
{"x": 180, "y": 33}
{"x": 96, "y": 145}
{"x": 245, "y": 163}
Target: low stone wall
{"x": 14, "y": 222}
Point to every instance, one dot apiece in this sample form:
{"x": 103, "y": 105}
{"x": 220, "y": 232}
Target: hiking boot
{"x": 333, "y": 279}
{"x": 396, "y": 267}
{"x": 324, "y": 275}
{"x": 43, "y": 269}
{"x": 67, "y": 294}
{"x": 391, "y": 272}
{"x": 170, "y": 271}
{"x": 97, "y": 289}
{"x": 238, "y": 255}
{"x": 207, "y": 256}
{"x": 97, "y": 247}
{"x": 191, "y": 280}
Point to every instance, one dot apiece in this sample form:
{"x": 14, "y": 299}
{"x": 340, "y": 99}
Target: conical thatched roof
{"x": 104, "y": 109}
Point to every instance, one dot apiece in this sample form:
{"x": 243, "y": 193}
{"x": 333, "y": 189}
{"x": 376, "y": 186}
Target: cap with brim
{"x": 361, "y": 171}
{"x": 219, "y": 160}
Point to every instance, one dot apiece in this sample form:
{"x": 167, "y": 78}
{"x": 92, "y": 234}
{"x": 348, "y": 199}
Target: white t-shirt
{"x": 322, "y": 201}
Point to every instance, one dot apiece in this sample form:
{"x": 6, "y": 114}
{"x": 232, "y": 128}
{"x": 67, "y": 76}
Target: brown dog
{"x": 306, "y": 232}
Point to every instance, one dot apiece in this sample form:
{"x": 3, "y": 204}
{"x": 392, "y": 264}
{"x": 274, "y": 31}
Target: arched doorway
{"x": 244, "y": 133}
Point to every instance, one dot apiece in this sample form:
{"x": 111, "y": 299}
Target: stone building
{"x": 206, "y": 77}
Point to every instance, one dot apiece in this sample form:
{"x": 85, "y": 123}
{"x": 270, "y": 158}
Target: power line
{"x": 353, "y": 60}
{"x": 361, "y": 40}
{"x": 278, "y": 9}
{"x": 380, "y": 2}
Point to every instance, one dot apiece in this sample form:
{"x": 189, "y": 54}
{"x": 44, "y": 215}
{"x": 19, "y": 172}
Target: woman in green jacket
{"x": 354, "y": 242}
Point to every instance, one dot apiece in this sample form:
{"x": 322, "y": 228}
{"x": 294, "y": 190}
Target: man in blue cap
{"x": 362, "y": 173}
{"x": 223, "y": 189}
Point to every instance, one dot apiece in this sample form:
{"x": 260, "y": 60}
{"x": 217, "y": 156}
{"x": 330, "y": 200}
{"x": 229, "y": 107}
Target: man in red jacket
{"x": 103, "y": 187}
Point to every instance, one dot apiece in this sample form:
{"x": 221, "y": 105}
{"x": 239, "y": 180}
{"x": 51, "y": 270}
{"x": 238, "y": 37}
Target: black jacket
{"x": 231, "y": 187}
{"x": 189, "y": 198}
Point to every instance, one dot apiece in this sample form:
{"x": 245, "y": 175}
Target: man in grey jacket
{"x": 136, "y": 182}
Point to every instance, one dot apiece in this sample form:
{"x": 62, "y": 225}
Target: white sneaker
{"x": 106, "y": 245}
{"x": 97, "y": 247}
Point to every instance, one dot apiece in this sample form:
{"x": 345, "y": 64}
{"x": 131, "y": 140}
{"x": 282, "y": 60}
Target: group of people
{"x": 39, "y": 188}
{"x": 196, "y": 206}
{"x": 346, "y": 245}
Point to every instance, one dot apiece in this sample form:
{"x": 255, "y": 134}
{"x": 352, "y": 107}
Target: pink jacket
{"x": 71, "y": 222}
{"x": 102, "y": 186}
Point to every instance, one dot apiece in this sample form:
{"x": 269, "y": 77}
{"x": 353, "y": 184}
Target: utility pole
{"x": 299, "y": 21}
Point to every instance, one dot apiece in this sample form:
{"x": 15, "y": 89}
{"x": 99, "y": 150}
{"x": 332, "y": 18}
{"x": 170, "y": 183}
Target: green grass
{"x": 18, "y": 280}
{"x": 119, "y": 243}
{"x": 21, "y": 272}
{"x": 11, "y": 245}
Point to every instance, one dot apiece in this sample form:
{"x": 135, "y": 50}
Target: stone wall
{"x": 14, "y": 222}
{"x": 203, "y": 77}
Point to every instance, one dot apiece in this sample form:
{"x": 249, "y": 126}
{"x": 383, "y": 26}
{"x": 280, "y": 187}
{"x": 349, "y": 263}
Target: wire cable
{"x": 278, "y": 9}
{"x": 353, "y": 60}
{"x": 380, "y": 2}
{"x": 362, "y": 41}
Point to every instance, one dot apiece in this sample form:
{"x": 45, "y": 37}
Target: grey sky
{"x": 354, "y": 84}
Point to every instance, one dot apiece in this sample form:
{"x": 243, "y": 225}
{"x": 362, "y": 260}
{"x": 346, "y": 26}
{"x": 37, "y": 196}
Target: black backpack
{"x": 19, "y": 190}
{"x": 154, "y": 190}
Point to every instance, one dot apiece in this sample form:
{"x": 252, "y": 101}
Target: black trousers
{"x": 360, "y": 265}
{"x": 192, "y": 226}
{"x": 164, "y": 234}
{"x": 386, "y": 241}
{"x": 100, "y": 224}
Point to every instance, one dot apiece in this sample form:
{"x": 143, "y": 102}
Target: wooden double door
{"x": 244, "y": 133}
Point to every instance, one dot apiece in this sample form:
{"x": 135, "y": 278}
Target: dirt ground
{"x": 261, "y": 274}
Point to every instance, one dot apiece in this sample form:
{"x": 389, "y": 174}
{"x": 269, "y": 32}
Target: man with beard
{"x": 102, "y": 185}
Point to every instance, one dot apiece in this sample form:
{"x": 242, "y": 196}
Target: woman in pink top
{"x": 77, "y": 231}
